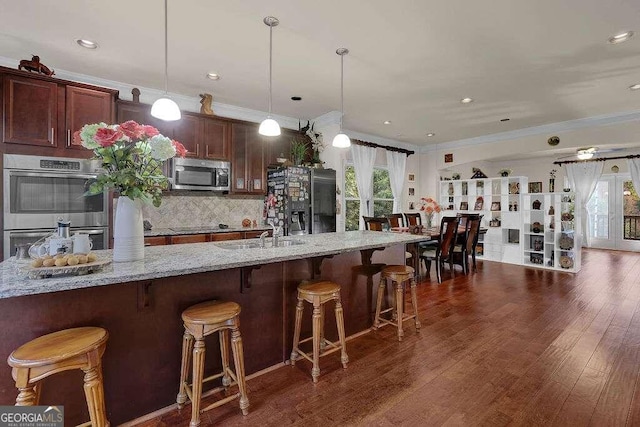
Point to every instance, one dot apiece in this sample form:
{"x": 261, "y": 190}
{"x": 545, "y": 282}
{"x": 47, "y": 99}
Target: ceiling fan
{"x": 587, "y": 153}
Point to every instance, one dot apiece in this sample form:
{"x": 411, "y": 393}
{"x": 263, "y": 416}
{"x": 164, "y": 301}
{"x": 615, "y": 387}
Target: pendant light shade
{"x": 269, "y": 127}
{"x": 164, "y": 108}
{"x": 341, "y": 140}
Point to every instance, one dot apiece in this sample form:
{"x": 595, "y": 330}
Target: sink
{"x": 239, "y": 245}
{"x": 253, "y": 244}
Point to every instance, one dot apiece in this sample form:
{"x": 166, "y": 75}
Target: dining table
{"x": 431, "y": 238}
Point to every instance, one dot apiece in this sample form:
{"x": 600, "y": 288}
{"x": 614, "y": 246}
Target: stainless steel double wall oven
{"x": 39, "y": 190}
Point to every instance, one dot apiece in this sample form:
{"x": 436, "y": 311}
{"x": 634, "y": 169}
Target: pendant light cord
{"x": 166, "y": 50}
{"x": 341, "y": 90}
{"x": 270, "y": 63}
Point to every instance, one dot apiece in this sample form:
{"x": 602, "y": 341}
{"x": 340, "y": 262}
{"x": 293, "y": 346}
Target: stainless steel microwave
{"x": 198, "y": 174}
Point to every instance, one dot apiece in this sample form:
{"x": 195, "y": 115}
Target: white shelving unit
{"x": 499, "y": 201}
{"x": 520, "y": 227}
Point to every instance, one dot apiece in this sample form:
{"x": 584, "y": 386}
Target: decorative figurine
{"x": 35, "y": 65}
{"x": 206, "y": 99}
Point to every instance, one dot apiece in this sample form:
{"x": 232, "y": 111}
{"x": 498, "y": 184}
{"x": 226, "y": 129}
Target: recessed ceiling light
{"x": 213, "y": 76}
{"x": 387, "y": 122}
{"x": 622, "y": 37}
{"x": 87, "y": 44}
{"x": 466, "y": 100}
{"x": 635, "y": 87}
{"x": 505, "y": 119}
{"x": 430, "y": 134}
{"x": 296, "y": 98}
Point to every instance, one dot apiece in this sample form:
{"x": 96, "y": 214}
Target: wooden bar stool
{"x": 78, "y": 348}
{"x": 201, "y": 320}
{"x": 317, "y": 294}
{"x": 398, "y": 275}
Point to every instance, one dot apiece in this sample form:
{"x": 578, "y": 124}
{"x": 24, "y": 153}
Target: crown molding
{"x": 149, "y": 95}
{"x": 328, "y": 119}
{"x": 549, "y": 129}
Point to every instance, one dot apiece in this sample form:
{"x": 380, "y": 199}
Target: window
{"x": 382, "y": 196}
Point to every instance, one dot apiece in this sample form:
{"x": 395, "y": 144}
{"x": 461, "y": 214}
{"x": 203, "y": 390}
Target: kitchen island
{"x": 140, "y": 303}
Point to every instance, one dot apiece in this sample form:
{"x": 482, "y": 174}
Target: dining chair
{"x": 375, "y": 223}
{"x": 443, "y": 252}
{"x": 396, "y": 220}
{"x": 468, "y": 243}
{"x": 413, "y": 219}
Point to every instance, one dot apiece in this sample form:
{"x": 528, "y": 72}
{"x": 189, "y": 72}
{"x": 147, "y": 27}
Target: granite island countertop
{"x": 176, "y": 260}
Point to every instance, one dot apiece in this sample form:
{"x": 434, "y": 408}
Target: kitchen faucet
{"x": 277, "y": 230}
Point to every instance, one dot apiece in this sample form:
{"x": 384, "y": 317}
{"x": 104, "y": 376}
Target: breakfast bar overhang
{"x": 139, "y": 304}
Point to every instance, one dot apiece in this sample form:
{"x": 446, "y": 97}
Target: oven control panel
{"x": 60, "y": 165}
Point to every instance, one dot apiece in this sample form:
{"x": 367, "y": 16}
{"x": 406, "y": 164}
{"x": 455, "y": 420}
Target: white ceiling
{"x": 533, "y": 61}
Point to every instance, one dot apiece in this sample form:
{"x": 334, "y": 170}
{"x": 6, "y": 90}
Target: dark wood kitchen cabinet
{"x": 40, "y": 113}
{"x": 204, "y": 137}
{"x": 84, "y": 106}
{"x": 248, "y": 169}
{"x": 30, "y": 111}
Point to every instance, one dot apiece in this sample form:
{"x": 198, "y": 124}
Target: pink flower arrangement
{"x": 132, "y": 155}
{"x": 429, "y": 206}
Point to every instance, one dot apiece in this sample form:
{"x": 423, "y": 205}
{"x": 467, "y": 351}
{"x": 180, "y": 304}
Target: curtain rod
{"x": 599, "y": 159}
{"x": 386, "y": 147}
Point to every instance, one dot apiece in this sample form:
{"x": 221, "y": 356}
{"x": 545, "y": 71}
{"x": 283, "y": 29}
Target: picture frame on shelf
{"x": 495, "y": 206}
{"x": 535, "y": 187}
{"x": 479, "y": 204}
{"x": 464, "y": 206}
{"x": 412, "y": 206}
{"x": 412, "y": 191}
{"x": 412, "y": 177}
{"x": 514, "y": 188}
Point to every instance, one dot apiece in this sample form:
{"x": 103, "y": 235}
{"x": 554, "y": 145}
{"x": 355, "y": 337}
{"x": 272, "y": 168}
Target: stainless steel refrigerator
{"x": 301, "y": 200}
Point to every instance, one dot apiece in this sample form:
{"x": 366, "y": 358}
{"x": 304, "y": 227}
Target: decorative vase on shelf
{"x": 128, "y": 231}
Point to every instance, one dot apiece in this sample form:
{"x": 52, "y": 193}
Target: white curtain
{"x": 583, "y": 178}
{"x": 396, "y": 163}
{"x": 364, "y": 158}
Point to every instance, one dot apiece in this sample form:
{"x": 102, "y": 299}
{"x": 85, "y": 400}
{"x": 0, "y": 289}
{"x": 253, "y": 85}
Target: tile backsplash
{"x": 195, "y": 209}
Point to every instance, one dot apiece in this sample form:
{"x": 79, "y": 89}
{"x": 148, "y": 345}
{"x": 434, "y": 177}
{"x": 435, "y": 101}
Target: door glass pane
{"x": 350, "y": 186}
{"x": 631, "y": 209}
{"x": 352, "y": 215}
{"x": 598, "y": 208}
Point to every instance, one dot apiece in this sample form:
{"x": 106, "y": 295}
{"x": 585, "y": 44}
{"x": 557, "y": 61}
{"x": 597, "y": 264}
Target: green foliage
{"x": 298, "y": 150}
{"x": 381, "y": 190}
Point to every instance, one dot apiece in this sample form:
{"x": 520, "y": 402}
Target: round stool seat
{"x": 57, "y": 346}
{"x": 211, "y": 312}
{"x": 398, "y": 272}
{"x": 318, "y": 288}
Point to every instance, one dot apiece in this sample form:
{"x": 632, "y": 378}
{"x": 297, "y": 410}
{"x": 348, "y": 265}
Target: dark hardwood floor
{"x": 507, "y": 345}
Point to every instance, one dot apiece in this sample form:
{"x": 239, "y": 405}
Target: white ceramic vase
{"x": 128, "y": 233}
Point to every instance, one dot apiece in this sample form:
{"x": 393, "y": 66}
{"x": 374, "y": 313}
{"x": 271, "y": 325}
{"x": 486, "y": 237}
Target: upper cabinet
{"x": 85, "y": 106}
{"x": 205, "y": 137}
{"x": 30, "y": 111}
{"x": 40, "y": 114}
{"x": 248, "y": 170}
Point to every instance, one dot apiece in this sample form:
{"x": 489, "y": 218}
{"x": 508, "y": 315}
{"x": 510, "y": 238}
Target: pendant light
{"x": 341, "y": 140}
{"x": 269, "y": 127}
{"x": 165, "y": 108}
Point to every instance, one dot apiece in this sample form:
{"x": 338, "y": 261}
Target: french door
{"x": 614, "y": 214}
